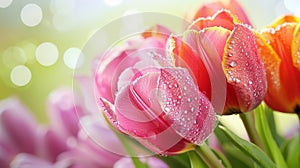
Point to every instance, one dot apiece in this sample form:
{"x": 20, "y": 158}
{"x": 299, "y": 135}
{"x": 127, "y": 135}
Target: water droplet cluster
{"x": 244, "y": 68}
{"x": 186, "y": 108}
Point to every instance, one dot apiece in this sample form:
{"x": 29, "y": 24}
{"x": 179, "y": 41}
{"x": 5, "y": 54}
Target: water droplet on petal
{"x": 232, "y": 64}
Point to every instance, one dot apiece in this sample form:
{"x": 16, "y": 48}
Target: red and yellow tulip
{"x": 279, "y": 45}
{"x": 235, "y": 44}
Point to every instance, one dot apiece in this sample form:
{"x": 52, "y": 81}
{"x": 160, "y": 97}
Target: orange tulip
{"x": 232, "y": 5}
{"x": 235, "y": 44}
{"x": 279, "y": 46}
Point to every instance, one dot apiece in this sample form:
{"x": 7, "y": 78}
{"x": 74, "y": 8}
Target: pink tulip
{"x": 146, "y": 97}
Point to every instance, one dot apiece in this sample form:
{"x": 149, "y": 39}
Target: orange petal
{"x": 285, "y": 19}
{"x": 211, "y": 8}
{"x": 223, "y": 18}
{"x": 244, "y": 68}
{"x": 270, "y": 60}
{"x": 284, "y": 97}
{"x": 296, "y": 47}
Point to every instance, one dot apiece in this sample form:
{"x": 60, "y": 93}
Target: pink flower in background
{"x": 145, "y": 96}
{"x": 18, "y": 131}
{"x": 63, "y": 143}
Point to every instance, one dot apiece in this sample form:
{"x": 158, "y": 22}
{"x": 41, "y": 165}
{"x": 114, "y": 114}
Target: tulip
{"x": 280, "y": 51}
{"x": 143, "y": 95}
{"x": 223, "y": 37}
{"x": 210, "y": 9}
{"x": 152, "y": 162}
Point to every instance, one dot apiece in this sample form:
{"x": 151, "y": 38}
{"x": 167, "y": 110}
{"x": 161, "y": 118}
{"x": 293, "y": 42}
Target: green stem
{"x": 208, "y": 156}
{"x": 250, "y": 128}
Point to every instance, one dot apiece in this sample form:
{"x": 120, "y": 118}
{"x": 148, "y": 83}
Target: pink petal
{"x": 136, "y": 107}
{"x": 244, "y": 68}
{"x": 24, "y": 160}
{"x": 64, "y": 112}
{"x": 51, "y": 145}
{"x": 18, "y": 126}
{"x": 186, "y": 108}
{"x": 208, "y": 45}
{"x": 86, "y": 153}
{"x": 96, "y": 128}
{"x": 6, "y": 154}
{"x": 87, "y": 98}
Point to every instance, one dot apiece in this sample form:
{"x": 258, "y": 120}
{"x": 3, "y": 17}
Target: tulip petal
{"x": 284, "y": 96}
{"x": 186, "y": 108}
{"x": 206, "y": 48}
{"x": 241, "y": 59}
{"x": 271, "y": 61}
{"x": 222, "y": 18}
{"x": 232, "y": 5}
{"x": 296, "y": 47}
{"x": 137, "y": 108}
{"x": 285, "y": 19}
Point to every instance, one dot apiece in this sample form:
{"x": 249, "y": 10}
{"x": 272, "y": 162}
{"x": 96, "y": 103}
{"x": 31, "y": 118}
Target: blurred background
{"x": 40, "y": 41}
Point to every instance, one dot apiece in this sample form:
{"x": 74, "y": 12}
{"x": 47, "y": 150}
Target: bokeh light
{"x": 73, "y": 58}
{"x": 20, "y": 75}
{"x": 47, "y": 54}
{"x": 14, "y": 56}
{"x": 5, "y": 3}
{"x": 31, "y": 15}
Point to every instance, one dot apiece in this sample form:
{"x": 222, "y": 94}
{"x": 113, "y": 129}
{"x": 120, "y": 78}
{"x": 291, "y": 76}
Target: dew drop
{"x": 232, "y": 64}
{"x": 189, "y": 100}
{"x": 250, "y": 82}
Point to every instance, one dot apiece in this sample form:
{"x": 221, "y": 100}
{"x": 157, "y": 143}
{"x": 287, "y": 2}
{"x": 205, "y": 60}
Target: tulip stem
{"x": 208, "y": 156}
{"x": 249, "y": 124}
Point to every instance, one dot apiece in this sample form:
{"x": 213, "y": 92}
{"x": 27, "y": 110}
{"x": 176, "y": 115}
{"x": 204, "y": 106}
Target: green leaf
{"x": 225, "y": 161}
{"x": 250, "y": 149}
{"x": 292, "y": 151}
{"x": 237, "y": 157}
{"x": 196, "y": 160}
{"x": 177, "y": 161}
{"x": 266, "y": 136}
{"x": 271, "y": 121}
